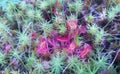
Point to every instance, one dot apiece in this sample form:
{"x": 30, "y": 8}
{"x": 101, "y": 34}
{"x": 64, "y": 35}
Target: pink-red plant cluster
{"x": 66, "y": 42}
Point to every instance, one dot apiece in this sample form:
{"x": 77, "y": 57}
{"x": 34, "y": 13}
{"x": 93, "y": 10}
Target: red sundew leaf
{"x": 42, "y": 48}
{"x": 62, "y": 39}
{"x": 43, "y": 51}
{"x": 34, "y": 35}
{"x": 72, "y": 24}
{"x": 43, "y": 43}
{"x": 86, "y": 51}
{"x": 71, "y": 48}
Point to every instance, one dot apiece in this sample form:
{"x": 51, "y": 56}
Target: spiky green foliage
{"x": 38, "y": 16}
{"x": 112, "y": 71}
{"x": 30, "y": 13}
{"x": 100, "y": 36}
{"x": 52, "y": 2}
{"x": 76, "y": 6}
{"x": 23, "y": 5}
{"x": 91, "y": 69}
{"x": 4, "y": 32}
{"x": 62, "y": 29}
{"x": 78, "y": 40}
{"x": 10, "y": 16}
{"x": 72, "y": 17}
{"x": 38, "y": 68}
{"x": 93, "y": 29}
{"x": 90, "y": 18}
{"x": 58, "y": 19}
{"x": 46, "y": 27}
{"x": 75, "y": 65}
{"x": 31, "y": 60}
{"x": 4, "y": 28}
{"x": 57, "y": 64}
{"x": 98, "y": 32}
{"x": 101, "y": 62}
{"x": 3, "y": 3}
{"x": 11, "y": 7}
{"x": 44, "y": 4}
{"x": 15, "y": 72}
{"x": 2, "y": 58}
{"x": 97, "y": 65}
{"x": 62, "y": 1}
{"x": 112, "y": 12}
{"x": 7, "y": 71}
{"x": 117, "y": 1}
{"x": 16, "y": 54}
{"x": 10, "y": 10}
{"x": 23, "y": 38}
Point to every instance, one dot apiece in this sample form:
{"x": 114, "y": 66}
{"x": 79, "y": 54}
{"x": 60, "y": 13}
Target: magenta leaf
{"x": 71, "y": 48}
{"x": 42, "y": 48}
{"x": 86, "y": 50}
{"x": 62, "y": 39}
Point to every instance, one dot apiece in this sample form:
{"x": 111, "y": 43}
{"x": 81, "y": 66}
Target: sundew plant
{"x": 59, "y": 37}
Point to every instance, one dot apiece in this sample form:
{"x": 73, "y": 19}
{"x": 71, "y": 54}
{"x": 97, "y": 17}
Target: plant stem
{"x": 113, "y": 59}
{"x": 107, "y": 24}
{"x": 65, "y": 68}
